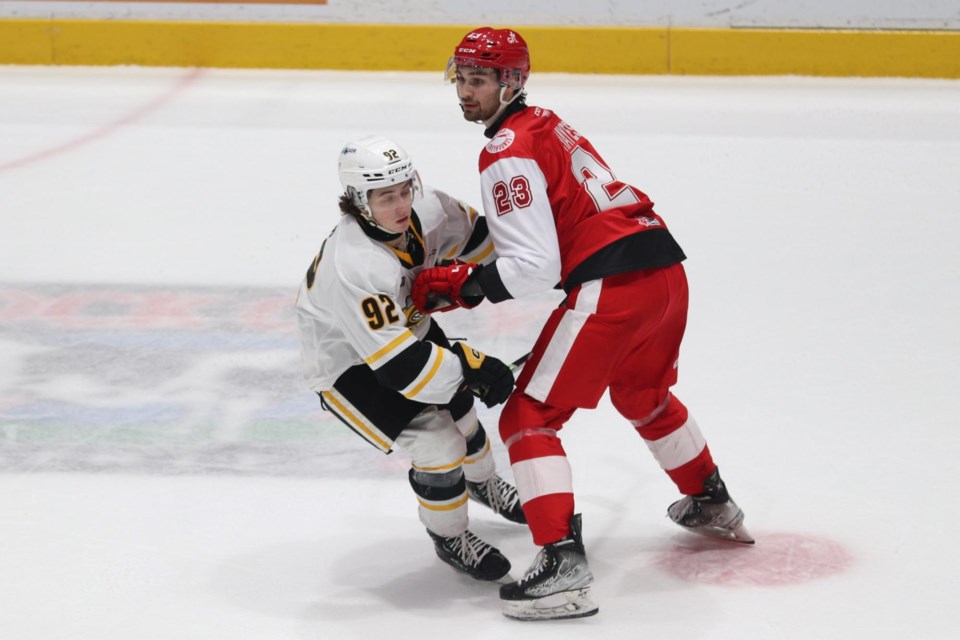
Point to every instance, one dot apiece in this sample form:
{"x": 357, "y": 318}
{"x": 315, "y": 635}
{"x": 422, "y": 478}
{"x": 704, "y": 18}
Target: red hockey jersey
{"x": 557, "y": 213}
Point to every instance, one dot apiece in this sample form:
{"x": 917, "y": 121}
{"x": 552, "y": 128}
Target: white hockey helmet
{"x": 373, "y": 163}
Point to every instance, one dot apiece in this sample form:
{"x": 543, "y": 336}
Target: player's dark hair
{"x": 347, "y": 207}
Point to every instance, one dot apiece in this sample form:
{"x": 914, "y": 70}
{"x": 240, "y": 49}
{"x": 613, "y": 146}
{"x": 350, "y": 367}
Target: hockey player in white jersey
{"x": 387, "y": 371}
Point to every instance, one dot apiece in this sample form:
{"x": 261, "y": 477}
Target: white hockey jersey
{"x": 354, "y": 304}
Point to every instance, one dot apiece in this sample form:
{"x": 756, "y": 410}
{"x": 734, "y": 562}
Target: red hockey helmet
{"x": 500, "y": 49}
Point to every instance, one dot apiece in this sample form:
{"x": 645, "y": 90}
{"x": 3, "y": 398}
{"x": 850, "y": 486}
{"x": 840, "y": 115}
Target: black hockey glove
{"x": 488, "y": 378}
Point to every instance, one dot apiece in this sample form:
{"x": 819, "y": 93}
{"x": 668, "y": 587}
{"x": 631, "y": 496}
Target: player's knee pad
{"x": 429, "y": 484}
{"x": 443, "y": 500}
{"x": 442, "y": 495}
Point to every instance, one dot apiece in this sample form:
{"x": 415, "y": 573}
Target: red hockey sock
{"x": 549, "y": 517}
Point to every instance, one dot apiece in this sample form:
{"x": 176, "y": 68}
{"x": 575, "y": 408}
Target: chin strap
{"x": 516, "y": 105}
{"x": 503, "y": 107}
{"x": 377, "y": 232}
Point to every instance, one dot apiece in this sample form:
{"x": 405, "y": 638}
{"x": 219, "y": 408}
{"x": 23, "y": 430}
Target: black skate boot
{"x": 471, "y": 555}
{"x": 557, "y": 584}
{"x": 500, "y": 496}
{"x": 711, "y": 513}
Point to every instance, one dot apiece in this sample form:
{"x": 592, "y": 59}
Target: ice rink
{"x": 166, "y": 475}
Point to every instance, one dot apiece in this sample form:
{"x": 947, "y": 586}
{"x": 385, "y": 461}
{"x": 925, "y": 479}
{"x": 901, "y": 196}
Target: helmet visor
{"x": 506, "y": 77}
{"x": 450, "y": 75}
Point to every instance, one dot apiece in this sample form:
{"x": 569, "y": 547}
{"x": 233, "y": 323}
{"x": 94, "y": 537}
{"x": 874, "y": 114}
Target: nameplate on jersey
{"x": 567, "y": 135}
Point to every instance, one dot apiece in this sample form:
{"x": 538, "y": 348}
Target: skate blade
{"x": 557, "y": 606}
{"x": 738, "y": 534}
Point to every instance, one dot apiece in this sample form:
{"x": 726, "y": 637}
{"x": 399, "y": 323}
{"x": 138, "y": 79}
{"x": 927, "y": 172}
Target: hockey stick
{"x": 517, "y": 364}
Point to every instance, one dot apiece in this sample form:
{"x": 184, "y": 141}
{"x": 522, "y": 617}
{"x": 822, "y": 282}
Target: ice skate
{"x": 557, "y": 584}
{"x": 471, "y": 555}
{"x": 711, "y": 513}
{"x": 500, "y": 496}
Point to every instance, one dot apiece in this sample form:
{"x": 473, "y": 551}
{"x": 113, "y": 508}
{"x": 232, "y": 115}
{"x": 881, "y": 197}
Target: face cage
{"x": 512, "y": 78}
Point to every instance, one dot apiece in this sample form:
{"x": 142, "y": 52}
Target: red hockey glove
{"x": 438, "y": 288}
{"x": 488, "y": 378}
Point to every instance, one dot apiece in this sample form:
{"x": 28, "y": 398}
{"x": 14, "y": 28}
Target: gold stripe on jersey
{"x": 453, "y": 253}
{"x": 479, "y": 454}
{"x": 484, "y": 250}
{"x": 437, "y": 357}
{"x": 488, "y": 249}
{"x": 403, "y": 255}
{"x": 400, "y": 341}
{"x": 450, "y": 506}
{"x": 359, "y": 424}
{"x": 414, "y": 248}
{"x": 470, "y": 212}
{"x": 415, "y": 228}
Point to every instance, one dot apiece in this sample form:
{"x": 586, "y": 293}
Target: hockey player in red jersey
{"x": 558, "y": 214}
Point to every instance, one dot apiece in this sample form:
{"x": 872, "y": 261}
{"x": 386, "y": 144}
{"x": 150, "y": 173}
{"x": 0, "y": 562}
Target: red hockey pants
{"x": 621, "y": 333}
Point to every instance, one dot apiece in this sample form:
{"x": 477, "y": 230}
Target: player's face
{"x": 391, "y": 206}
{"x": 479, "y": 92}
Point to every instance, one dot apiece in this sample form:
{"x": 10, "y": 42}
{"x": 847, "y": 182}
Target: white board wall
{"x": 824, "y": 14}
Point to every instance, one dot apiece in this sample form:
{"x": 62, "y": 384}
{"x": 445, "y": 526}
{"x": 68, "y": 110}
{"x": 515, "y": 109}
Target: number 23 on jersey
{"x": 590, "y": 173}
{"x": 516, "y": 193}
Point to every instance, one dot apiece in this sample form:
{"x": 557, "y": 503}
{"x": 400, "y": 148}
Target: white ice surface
{"x": 166, "y": 478}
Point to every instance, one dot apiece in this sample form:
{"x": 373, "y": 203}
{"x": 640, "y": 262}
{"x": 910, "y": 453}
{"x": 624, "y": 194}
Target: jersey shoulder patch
{"x": 501, "y": 141}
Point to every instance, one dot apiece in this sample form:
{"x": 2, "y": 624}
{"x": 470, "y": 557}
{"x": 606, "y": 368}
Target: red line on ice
{"x": 136, "y": 114}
